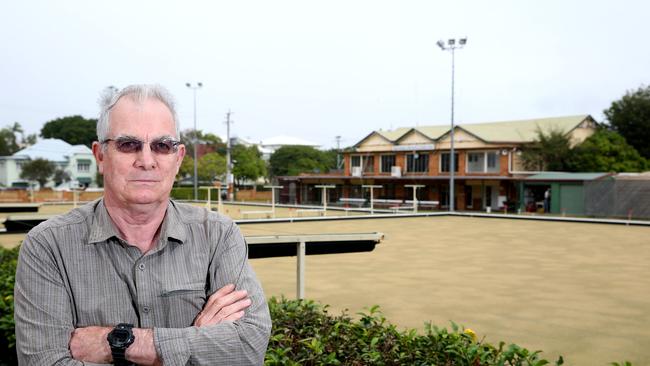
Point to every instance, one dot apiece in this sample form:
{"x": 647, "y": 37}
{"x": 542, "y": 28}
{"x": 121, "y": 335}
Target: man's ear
{"x": 99, "y": 156}
{"x": 180, "y": 156}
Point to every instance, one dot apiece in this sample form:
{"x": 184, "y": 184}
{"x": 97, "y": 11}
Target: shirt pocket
{"x": 182, "y": 302}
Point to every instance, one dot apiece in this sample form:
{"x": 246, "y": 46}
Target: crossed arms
{"x": 232, "y": 328}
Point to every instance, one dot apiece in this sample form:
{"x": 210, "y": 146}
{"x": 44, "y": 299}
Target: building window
{"x": 445, "y": 162}
{"x": 475, "y": 162}
{"x": 387, "y": 163}
{"x": 355, "y": 160}
{"x": 483, "y": 162}
{"x": 83, "y": 167}
{"x": 417, "y": 163}
{"x": 492, "y": 161}
{"x": 364, "y": 163}
{"x": 368, "y": 164}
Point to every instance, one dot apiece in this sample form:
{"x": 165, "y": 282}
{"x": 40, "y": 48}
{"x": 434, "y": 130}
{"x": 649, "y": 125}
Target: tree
{"x": 248, "y": 163}
{"x": 209, "y": 167}
{"x": 293, "y": 160}
{"x": 630, "y": 116}
{"x": 39, "y": 170}
{"x": 607, "y": 151}
{"x": 74, "y": 130}
{"x": 8, "y": 144}
{"x": 61, "y": 176}
{"x": 212, "y": 141}
{"x": 550, "y": 151}
{"x": 30, "y": 139}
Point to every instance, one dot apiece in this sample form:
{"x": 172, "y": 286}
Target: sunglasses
{"x": 130, "y": 145}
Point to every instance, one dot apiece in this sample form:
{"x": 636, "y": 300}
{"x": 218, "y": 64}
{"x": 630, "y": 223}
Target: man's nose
{"x": 145, "y": 158}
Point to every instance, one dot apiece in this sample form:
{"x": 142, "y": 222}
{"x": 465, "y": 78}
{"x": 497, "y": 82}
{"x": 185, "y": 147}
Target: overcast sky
{"x": 318, "y": 69}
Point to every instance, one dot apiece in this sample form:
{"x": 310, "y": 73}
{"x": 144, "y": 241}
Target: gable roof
{"x": 523, "y": 130}
{"x": 518, "y": 131}
{"x": 52, "y": 149}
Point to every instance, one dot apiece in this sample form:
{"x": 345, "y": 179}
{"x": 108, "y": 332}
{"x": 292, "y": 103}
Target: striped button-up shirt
{"x": 76, "y": 271}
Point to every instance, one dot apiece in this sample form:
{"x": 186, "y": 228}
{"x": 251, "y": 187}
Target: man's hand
{"x": 224, "y": 305}
{"x": 89, "y": 344}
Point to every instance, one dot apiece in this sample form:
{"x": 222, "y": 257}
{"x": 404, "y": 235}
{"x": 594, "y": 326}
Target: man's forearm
{"x": 143, "y": 351}
{"x": 242, "y": 343}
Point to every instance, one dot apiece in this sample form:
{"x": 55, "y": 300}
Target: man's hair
{"x": 138, "y": 93}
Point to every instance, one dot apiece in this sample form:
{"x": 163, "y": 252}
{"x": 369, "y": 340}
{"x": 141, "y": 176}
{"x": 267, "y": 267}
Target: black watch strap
{"x": 119, "y": 357}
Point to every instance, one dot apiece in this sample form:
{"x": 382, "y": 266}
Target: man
{"x": 135, "y": 278}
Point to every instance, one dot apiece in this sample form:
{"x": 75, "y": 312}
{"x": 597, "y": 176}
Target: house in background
{"x": 487, "y": 170}
{"x": 76, "y": 160}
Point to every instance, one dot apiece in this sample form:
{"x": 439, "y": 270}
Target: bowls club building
{"x": 489, "y": 170}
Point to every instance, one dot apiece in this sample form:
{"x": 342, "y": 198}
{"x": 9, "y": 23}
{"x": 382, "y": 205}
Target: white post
{"x": 273, "y": 188}
{"x": 219, "y": 207}
{"x": 300, "y": 275}
{"x": 415, "y": 196}
{"x": 75, "y": 197}
{"x": 208, "y": 203}
{"x": 372, "y": 195}
{"x": 325, "y": 188}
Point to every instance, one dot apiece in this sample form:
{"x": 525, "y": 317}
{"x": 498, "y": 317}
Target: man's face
{"x": 143, "y": 176}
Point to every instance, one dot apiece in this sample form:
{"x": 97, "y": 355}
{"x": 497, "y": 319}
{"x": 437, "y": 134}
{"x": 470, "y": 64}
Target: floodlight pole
{"x": 451, "y": 46}
{"x": 229, "y": 166}
{"x": 196, "y": 139}
{"x": 372, "y": 196}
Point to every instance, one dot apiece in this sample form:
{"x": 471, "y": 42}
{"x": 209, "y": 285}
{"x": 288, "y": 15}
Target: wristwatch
{"x": 120, "y": 338}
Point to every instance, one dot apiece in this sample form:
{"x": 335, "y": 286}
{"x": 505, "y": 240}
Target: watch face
{"x": 120, "y": 338}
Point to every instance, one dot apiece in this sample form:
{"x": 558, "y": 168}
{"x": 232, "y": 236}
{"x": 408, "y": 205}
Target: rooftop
{"x": 51, "y": 149}
{"x": 503, "y": 131}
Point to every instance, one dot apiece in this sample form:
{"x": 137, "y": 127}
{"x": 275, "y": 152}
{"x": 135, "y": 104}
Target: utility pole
{"x": 229, "y": 177}
{"x": 338, "y": 152}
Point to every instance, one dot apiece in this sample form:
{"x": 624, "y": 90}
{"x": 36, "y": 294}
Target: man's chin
{"x": 145, "y": 197}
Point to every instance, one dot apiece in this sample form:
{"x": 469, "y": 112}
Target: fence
{"x": 628, "y": 198}
{"x": 46, "y": 195}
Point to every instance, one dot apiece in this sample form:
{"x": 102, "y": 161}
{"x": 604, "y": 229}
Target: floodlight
{"x": 451, "y": 42}
{"x": 199, "y": 84}
{"x": 187, "y": 85}
{"x": 462, "y": 41}
{"x": 441, "y": 44}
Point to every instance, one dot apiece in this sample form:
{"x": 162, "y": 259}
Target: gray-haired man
{"x": 135, "y": 277}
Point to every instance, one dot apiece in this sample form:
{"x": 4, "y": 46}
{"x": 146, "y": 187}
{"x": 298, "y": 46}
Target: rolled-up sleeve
{"x": 241, "y": 342}
{"x": 42, "y": 312}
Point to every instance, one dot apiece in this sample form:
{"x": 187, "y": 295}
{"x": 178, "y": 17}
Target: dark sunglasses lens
{"x": 163, "y": 147}
{"x": 128, "y": 145}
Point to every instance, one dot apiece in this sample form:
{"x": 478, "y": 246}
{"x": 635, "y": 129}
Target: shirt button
{"x": 141, "y": 266}
{"x": 146, "y": 309}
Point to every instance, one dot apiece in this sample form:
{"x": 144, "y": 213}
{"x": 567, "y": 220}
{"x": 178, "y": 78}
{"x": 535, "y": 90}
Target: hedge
{"x": 305, "y": 333}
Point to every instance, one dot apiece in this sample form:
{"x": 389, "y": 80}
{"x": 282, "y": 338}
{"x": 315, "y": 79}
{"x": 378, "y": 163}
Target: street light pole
{"x": 451, "y": 46}
{"x": 196, "y": 170}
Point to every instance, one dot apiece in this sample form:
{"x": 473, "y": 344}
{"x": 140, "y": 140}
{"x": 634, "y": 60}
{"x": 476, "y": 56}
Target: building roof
{"x": 632, "y": 176}
{"x": 51, "y": 149}
{"x": 287, "y": 140}
{"x": 563, "y": 176}
{"x": 505, "y": 131}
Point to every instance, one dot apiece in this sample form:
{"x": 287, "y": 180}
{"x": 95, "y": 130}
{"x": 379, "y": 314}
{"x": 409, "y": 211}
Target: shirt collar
{"x": 103, "y": 228}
